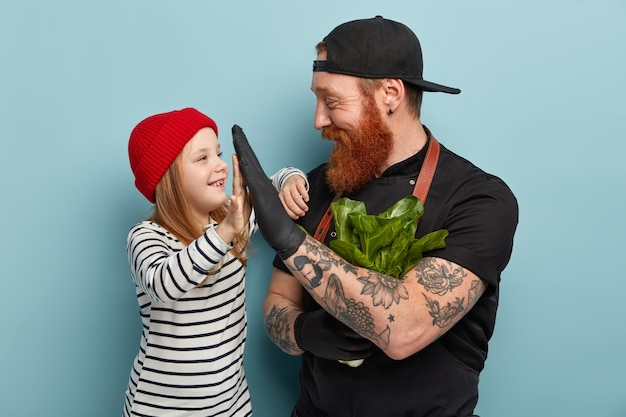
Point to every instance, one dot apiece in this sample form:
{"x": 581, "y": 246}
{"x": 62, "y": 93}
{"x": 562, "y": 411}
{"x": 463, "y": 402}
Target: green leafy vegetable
{"x": 384, "y": 243}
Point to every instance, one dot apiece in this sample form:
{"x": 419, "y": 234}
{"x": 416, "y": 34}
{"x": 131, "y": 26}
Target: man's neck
{"x": 409, "y": 138}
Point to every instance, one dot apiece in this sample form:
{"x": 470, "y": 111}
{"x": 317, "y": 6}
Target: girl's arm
{"x": 165, "y": 273}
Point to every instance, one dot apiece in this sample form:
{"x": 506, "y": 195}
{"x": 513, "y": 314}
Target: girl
{"x": 188, "y": 265}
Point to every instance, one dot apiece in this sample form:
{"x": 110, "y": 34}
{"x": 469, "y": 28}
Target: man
{"x": 424, "y": 337}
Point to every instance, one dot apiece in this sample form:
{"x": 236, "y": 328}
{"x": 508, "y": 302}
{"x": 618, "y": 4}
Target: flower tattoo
{"x": 384, "y": 290}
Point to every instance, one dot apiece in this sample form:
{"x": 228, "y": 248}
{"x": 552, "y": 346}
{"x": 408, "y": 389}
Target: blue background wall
{"x": 542, "y": 106}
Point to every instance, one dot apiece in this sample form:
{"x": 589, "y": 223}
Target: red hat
{"x": 157, "y": 140}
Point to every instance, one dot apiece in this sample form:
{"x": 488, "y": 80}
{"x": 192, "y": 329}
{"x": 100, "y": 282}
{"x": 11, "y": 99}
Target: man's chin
{"x": 346, "y": 184}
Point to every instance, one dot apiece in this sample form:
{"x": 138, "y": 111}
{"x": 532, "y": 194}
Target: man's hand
{"x": 279, "y": 231}
{"x": 323, "y": 335}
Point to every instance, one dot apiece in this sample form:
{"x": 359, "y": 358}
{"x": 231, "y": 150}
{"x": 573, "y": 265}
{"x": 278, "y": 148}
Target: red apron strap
{"x": 324, "y": 226}
{"x": 425, "y": 177}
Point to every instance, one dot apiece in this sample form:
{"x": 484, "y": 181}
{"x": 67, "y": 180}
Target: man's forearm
{"x": 401, "y": 316}
{"x": 279, "y": 318}
{"x": 328, "y": 290}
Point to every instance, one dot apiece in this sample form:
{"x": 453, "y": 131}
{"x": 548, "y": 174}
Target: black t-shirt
{"x": 480, "y": 213}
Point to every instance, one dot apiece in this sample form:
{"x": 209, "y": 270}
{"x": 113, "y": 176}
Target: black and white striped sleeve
{"x": 279, "y": 178}
{"x": 164, "y": 272}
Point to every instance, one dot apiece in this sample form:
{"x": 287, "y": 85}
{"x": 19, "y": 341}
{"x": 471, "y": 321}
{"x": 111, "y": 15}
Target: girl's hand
{"x": 294, "y": 196}
{"x": 238, "y": 210}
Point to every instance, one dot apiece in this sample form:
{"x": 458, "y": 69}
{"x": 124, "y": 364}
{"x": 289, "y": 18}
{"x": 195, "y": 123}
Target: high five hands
{"x": 277, "y": 228}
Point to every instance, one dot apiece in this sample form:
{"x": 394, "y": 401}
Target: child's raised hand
{"x": 238, "y": 210}
{"x": 294, "y": 196}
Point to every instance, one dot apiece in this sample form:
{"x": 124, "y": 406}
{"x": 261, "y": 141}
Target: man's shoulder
{"x": 462, "y": 169}
{"x": 317, "y": 172}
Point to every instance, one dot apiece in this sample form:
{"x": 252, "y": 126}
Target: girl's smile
{"x": 204, "y": 173}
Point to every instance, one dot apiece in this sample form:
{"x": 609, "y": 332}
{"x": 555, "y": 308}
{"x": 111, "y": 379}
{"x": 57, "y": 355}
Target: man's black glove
{"x": 277, "y": 228}
{"x": 323, "y": 335}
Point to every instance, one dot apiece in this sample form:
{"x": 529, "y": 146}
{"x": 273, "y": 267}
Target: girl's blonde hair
{"x": 172, "y": 211}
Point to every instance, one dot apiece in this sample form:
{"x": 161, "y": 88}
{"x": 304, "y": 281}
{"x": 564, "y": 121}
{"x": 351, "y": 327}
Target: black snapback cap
{"x": 377, "y": 48}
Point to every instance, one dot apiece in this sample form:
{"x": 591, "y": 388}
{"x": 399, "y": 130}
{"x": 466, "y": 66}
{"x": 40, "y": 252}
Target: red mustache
{"x": 335, "y": 134}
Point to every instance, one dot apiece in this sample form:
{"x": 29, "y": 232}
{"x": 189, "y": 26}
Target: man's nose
{"x": 322, "y": 118}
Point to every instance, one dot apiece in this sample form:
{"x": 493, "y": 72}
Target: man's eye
{"x": 333, "y": 103}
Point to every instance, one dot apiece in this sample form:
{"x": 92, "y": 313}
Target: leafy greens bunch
{"x": 384, "y": 243}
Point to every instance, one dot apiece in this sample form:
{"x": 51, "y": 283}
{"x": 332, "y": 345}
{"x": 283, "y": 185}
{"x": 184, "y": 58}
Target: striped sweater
{"x": 190, "y": 359}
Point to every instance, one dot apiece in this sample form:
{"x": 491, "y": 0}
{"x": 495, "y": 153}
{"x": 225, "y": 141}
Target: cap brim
{"x": 428, "y": 86}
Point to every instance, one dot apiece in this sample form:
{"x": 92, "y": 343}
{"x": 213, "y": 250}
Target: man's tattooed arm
{"x": 399, "y": 316}
{"x": 279, "y": 330}
{"x": 440, "y": 277}
{"x": 283, "y": 303}
{"x": 326, "y": 282}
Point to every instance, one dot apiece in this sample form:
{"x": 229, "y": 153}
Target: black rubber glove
{"x": 323, "y": 335}
{"x": 277, "y": 228}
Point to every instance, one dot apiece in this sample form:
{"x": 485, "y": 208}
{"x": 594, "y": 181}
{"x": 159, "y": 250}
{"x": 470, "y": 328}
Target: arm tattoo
{"x": 327, "y": 258}
{"x": 385, "y": 290}
{"x": 472, "y": 294}
{"x": 439, "y": 278}
{"x": 278, "y": 329}
{"x": 443, "y": 316}
{"x": 352, "y": 313}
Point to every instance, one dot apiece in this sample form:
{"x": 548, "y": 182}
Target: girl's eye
{"x": 220, "y": 154}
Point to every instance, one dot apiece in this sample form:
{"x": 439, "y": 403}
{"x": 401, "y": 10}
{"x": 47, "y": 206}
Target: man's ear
{"x": 393, "y": 89}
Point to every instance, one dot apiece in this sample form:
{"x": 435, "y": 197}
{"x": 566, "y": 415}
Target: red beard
{"x": 358, "y": 154}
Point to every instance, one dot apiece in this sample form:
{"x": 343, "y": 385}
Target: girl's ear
{"x": 393, "y": 90}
